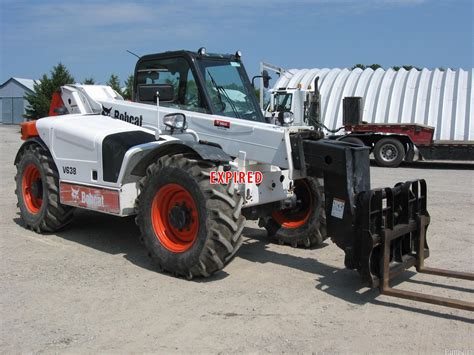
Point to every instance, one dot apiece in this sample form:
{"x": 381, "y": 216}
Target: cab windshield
{"x": 282, "y": 101}
{"x": 229, "y": 89}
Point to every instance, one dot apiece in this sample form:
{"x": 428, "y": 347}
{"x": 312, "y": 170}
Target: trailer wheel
{"x": 189, "y": 226}
{"x": 389, "y": 152}
{"x": 305, "y": 224}
{"x": 37, "y": 190}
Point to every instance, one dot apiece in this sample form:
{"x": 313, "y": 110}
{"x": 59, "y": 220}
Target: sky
{"x": 91, "y": 36}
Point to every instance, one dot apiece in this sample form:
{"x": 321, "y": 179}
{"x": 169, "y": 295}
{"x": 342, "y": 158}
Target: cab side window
{"x": 172, "y": 72}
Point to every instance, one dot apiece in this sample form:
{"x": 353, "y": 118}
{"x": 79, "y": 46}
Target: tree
{"x": 363, "y": 66}
{"x": 377, "y": 66}
{"x": 374, "y": 66}
{"x": 40, "y": 100}
{"x": 128, "y": 93}
{"x": 88, "y": 81}
{"x": 406, "y": 67}
{"x": 114, "y": 83}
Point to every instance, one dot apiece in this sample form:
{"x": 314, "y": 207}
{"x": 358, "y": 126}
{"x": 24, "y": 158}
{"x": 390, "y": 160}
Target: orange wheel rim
{"x": 31, "y": 186}
{"x": 174, "y": 217}
{"x": 299, "y": 215}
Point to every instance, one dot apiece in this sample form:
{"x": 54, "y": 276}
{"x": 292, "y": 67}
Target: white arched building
{"x": 442, "y": 99}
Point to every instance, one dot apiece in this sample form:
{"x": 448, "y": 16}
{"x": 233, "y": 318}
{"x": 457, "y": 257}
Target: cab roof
{"x": 190, "y": 54}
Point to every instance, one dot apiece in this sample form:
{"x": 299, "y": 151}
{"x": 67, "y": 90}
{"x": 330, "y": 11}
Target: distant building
{"x": 12, "y": 102}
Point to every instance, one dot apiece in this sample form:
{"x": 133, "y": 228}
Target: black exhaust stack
{"x": 314, "y": 109}
{"x": 352, "y": 111}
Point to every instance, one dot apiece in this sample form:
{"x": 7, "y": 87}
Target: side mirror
{"x": 266, "y": 79}
{"x": 147, "y": 93}
{"x": 175, "y": 121}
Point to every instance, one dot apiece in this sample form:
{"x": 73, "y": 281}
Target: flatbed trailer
{"x": 392, "y": 143}
{"x": 417, "y": 141}
{"x": 447, "y": 150}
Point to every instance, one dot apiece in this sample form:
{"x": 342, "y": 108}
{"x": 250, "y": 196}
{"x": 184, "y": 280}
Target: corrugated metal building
{"x": 442, "y": 99}
{"x": 12, "y": 102}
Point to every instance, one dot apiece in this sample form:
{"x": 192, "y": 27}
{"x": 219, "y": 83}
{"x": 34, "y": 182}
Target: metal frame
{"x": 419, "y": 263}
{"x": 401, "y": 237}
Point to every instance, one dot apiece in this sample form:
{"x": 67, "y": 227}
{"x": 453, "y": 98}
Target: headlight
{"x": 175, "y": 121}
{"x": 288, "y": 117}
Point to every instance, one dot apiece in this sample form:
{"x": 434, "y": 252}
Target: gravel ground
{"x": 91, "y": 288}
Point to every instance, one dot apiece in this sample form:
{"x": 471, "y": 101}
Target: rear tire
{"x": 301, "y": 226}
{"x": 389, "y": 152}
{"x": 37, "y": 190}
{"x": 190, "y": 227}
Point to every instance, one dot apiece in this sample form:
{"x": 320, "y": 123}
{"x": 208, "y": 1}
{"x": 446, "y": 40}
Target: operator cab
{"x": 200, "y": 82}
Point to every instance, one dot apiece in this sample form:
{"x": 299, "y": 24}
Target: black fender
{"x": 371, "y": 138}
{"x": 139, "y": 162}
{"x": 27, "y": 143}
{"x": 409, "y": 146}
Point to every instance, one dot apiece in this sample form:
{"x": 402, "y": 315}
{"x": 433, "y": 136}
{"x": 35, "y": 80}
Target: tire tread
{"x": 55, "y": 216}
{"x": 223, "y": 212}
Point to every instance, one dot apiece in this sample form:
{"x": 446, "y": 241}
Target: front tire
{"x": 304, "y": 225}
{"x": 37, "y": 190}
{"x": 189, "y": 226}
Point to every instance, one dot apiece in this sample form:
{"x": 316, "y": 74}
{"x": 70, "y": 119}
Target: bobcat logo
{"x": 106, "y": 111}
{"x": 136, "y": 120}
{"x": 74, "y": 193}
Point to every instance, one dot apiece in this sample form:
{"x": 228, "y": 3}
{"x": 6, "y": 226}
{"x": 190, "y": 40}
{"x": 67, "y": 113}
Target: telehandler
{"x": 193, "y": 157}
